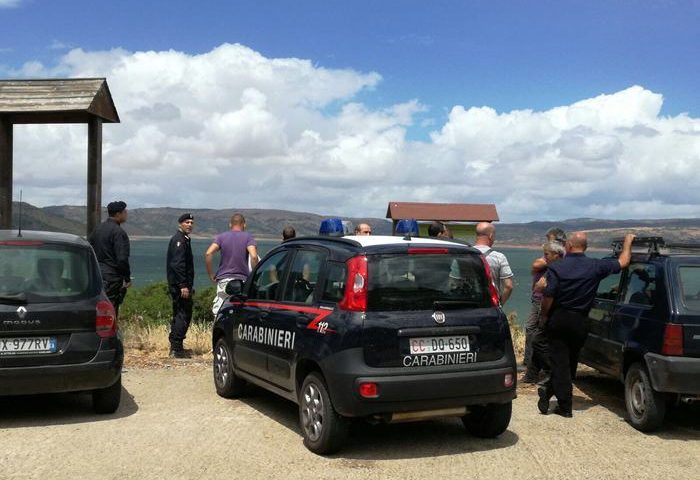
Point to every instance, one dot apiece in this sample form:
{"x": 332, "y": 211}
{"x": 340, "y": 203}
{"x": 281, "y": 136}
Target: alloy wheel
{"x": 312, "y": 412}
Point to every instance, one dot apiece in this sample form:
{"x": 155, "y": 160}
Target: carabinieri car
{"x": 383, "y": 328}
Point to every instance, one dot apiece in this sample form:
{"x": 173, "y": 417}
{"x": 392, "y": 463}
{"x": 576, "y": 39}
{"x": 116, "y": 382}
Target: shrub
{"x": 151, "y": 305}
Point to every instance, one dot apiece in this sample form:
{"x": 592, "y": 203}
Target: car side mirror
{"x": 235, "y": 289}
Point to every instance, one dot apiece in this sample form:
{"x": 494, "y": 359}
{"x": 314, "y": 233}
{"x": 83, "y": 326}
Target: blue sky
{"x": 507, "y": 56}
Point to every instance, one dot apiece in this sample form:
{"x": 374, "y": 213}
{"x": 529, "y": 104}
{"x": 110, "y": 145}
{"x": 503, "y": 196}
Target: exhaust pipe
{"x": 689, "y": 400}
{"x": 427, "y": 414}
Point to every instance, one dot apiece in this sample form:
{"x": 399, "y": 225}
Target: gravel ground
{"x": 171, "y": 424}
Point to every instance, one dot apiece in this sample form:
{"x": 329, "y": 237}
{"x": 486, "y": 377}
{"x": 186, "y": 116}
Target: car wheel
{"x": 227, "y": 383}
{"x": 106, "y": 400}
{"x": 645, "y": 406}
{"x": 488, "y": 421}
{"x": 323, "y": 429}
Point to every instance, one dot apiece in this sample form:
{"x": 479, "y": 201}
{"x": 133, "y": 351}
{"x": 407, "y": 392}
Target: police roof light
{"x": 406, "y": 227}
{"x": 332, "y": 227}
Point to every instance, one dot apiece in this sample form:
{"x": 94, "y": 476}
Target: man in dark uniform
{"x": 568, "y": 297}
{"x": 180, "y": 270}
{"x": 111, "y": 245}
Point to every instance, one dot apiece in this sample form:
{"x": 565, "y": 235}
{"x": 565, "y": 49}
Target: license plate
{"x": 425, "y": 345}
{"x": 27, "y": 345}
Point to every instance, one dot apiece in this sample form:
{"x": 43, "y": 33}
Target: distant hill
{"x": 162, "y": 221}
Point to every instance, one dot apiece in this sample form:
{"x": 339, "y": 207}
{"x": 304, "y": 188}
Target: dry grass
{"x": 518, "y": 334}
{"x": 154, "y": 338}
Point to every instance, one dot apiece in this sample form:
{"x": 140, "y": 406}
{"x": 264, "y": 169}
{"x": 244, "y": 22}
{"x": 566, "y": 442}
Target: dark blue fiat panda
{"x": 388, "y": 329}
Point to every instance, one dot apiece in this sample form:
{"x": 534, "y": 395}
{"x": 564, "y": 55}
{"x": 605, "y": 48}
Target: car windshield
{"x": 690, "y": 286}
{"x": 37, "y": 272}
{"x": 426, "y": 281}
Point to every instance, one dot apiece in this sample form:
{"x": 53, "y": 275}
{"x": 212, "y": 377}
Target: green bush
{"x": 151, "y": 305}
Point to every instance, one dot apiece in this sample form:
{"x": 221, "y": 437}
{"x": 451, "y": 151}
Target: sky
{"x": 550, "y": 109}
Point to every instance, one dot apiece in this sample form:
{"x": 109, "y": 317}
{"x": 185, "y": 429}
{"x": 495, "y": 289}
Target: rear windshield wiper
{"x": 454, "y": 304}
{"x": 17, "y": 298}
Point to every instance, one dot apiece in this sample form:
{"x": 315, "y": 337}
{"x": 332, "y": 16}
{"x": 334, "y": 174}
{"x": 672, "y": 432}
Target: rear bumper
{"x": 100, "y": 372}
{"x": 406, "y": 390}
{"x": 674, "y": 374}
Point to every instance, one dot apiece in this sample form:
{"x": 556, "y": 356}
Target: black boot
{"x": 544, "y": 394}
{"x": 176, "y": 351}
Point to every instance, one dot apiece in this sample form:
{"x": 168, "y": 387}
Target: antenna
{"x": 19, "y": 221}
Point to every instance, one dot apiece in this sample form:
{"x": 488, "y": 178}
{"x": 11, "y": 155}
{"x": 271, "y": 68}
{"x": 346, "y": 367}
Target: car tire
{"x": 646, "y": 407}
{"x": 323, "y": 429}
{"x": 488, "y": 421}
{"x": 227, "y": 383}
{"x": 106, "y": 400}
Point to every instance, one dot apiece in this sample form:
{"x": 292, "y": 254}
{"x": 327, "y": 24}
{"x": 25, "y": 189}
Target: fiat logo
{"x": 21, "y": 312}
{"x": 439, "y": 317}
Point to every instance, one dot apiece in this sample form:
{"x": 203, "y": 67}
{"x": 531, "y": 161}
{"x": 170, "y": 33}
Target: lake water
{"x": 148, "y": 266}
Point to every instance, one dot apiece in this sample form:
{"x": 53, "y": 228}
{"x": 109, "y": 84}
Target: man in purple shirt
{"x": 236, "y": 246}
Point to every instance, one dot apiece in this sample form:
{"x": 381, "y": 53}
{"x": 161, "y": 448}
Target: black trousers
{"x": 115, "y": 291}
{"x": 566, "y": 334}
{"x": 182, "y": 316}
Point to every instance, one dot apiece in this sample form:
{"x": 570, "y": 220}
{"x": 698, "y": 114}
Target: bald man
{"x": 501, "y": 273}
{"x": 363, "y": 229}
{"x": 572, "y": 283}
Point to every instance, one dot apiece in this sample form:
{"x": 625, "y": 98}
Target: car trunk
{"x": 59, "y": 335}
{"x": 429, "y": 310}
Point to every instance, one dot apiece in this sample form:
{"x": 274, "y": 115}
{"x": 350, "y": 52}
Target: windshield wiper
{"x": 17, "y": 298}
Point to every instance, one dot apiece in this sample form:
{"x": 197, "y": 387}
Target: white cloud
{"x": 9, "y": 3}
{"x": 231, "y": 127}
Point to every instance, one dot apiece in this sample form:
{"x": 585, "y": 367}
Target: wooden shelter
{"x": 75, "y": 100}
{"x": 444, "y": 212}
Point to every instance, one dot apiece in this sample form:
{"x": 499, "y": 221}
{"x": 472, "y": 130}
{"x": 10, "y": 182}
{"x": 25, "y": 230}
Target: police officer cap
{"x": 115, "y": 207}
{"x": 185, "y": 216}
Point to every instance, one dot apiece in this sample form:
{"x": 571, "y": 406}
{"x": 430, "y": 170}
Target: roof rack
{"x": 655, "y": 246}
{"x": 640, "y": 245}
{"x": 681, "y": 248}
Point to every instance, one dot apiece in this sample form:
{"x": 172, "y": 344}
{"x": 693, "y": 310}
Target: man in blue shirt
{"x": 568, "y": 297}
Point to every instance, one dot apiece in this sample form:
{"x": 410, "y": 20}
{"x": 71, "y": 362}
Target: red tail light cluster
{"x": 495, "y": 301}
{"x": 673, "y": 340}
{"x": 105, "y": 319}
{"x": 355, "y": 298}
{"x": 369, "y": 390}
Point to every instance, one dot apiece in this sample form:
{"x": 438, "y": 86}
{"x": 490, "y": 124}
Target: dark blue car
{"x": 58, "y": 331}
{"x": 388, "y": 329}
{"x": 644, "y": 329}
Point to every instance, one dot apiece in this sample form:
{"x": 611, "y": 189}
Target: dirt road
{"x": 171, "y": 424}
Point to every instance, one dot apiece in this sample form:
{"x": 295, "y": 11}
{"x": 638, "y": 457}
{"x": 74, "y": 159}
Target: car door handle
{"x": 264, "y": 315}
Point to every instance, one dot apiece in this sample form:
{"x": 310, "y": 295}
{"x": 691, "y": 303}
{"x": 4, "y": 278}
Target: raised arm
{"x": 626, "y": 255}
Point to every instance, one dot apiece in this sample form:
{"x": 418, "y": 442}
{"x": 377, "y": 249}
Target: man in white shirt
{"x": 501, "y": 273}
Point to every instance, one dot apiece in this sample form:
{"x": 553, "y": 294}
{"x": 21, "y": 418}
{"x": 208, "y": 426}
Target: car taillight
{"x": 355, "y": 298}
{"x": 369, "y": 390}
{"x": 105, "y": 319}
{"x": 673, "y": 340}
{"x": 493, "y": 291}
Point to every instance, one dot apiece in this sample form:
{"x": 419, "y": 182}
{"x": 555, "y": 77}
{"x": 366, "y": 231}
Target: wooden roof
{"x": 455, "y": 212}
{"x": 73, "y": 100}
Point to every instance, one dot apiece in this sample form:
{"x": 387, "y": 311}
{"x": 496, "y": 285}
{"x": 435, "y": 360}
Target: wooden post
{"x": 5, "y": 173}
{"x": 94, "y": 174}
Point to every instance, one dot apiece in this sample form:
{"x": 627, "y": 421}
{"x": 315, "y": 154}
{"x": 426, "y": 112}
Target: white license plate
{"x": 425, "y": 345}
{"x": 27, "y": 345}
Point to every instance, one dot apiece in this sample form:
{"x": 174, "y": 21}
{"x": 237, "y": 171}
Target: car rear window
{"x": 417, "y": 282}
{"x": 690, "y": 286}
{"x": 43, "y": 272}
